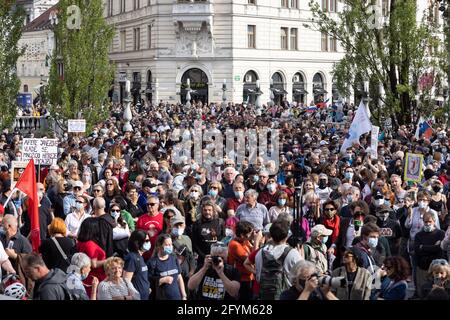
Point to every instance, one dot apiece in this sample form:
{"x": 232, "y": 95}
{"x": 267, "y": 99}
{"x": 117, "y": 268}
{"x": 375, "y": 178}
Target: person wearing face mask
{"x": 389, "y": 228}
{"x": 378, "y": 199}
{"x": 121, "y": 232}
{"x": 76, "y": 217}
{"x": 281, "y": 208}
{"x": 350, "y": 195}
{"x": 323, "y": 191}
{"x": 316, "y": 249}
{"x": 269, "y": 196}
{"x": 78, "y": 271}
{"x": 438, "y": 203}
{"x": 427, "y": 247}
{"x": 192, "y": 203}
{"x": 165, "y": 272}
{"x": 367, "y": 245}
{"x": 183, "y": 247}
{"x": 213, "y": 192}
{"x": 237, "y": 200}
{"x": 135, "y": 269}
{"x": 252, "y": 178}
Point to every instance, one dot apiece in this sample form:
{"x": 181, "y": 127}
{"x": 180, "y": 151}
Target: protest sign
{"x": 42, "y": 151}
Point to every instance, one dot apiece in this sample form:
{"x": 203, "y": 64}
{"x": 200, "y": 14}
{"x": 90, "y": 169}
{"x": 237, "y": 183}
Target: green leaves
{"x": 394, "y": 53}
{"x": 11, "y": 23}
{"x": 88, "y": 74}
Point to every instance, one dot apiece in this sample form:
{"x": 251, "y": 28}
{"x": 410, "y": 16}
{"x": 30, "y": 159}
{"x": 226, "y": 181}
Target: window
{"x": 284, "y": 39}
{"x": 284, "y": 3}
{"x": 333, "y": 44}
{"x": 324, "y": 41}
{"x": 123, "y": 39}
{"x": 110, "y": 7}
{"x": 149, "y": 37}
{"x": 294, "y": 34}
{"x": 136, "y": 4}
{"x": 294, "y": 4}
{"x": 122, "y": 6}
{"x": 25, "y": 88}
{"x": 251, "y": 1}
{"x": 137, "y": 39}
{"x": 329, "y": 5}
{"x": 251, "y": 36}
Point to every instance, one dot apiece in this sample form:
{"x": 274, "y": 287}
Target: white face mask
{"x": 379, "y": 202}
{"x": 423, "y": 204}
{"x": 229, "y": 232}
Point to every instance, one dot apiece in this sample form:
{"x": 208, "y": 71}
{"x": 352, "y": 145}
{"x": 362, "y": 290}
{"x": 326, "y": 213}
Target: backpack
{"x": 72, "y": 293}
{"x": 272, "y": 279}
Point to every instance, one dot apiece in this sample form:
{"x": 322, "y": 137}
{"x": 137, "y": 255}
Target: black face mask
{"x": 322, "y": 184}
{"x": 302, "y": 283}
{"x": 436, "y": 188}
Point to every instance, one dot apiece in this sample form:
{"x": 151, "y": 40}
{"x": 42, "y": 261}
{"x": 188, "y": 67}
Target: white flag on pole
{"x": 360, "y": 125}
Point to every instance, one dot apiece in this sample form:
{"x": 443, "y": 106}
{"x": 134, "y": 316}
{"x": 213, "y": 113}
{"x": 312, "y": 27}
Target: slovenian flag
{"x": 323, "y": 104}
{"x": 312, "y": 109}
{"x": 424, "y": 129}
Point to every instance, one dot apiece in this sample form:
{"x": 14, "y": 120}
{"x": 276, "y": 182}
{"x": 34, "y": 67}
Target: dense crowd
{"x": 120, "y": 219}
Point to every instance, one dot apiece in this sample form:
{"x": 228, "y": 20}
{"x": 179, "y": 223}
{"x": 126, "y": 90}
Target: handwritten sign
{"x": 77, "y": 125}
{"x": 374, "y": 142}
{"x": 17, "y": 168}
{"x": 42, "y": 151}
{"x": 413, "y": 167}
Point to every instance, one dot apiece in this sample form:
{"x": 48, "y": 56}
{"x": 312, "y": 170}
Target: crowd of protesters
{"x": 120, "y": 219}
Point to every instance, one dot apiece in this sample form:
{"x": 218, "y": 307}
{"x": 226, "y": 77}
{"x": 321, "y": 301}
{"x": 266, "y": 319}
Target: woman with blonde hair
{"x": 115, "y": 287}
{"x": 438, "y": 277}
{"x": 57, "y": 250}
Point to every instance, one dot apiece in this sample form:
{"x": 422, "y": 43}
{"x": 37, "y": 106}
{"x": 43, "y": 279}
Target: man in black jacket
{"x": 427, "y": 247}
{"x": 106, "y": 224}
{"x": 49, "y": 284}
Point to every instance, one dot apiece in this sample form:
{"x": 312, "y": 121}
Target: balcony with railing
{"x": 192, "y": 14}
{"x": 31, "y": 124}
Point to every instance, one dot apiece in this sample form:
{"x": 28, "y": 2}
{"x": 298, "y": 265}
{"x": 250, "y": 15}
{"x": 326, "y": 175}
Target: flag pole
{"x": 9, "y": 197}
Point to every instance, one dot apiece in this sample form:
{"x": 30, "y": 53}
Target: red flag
{"x": 27, "y": 184}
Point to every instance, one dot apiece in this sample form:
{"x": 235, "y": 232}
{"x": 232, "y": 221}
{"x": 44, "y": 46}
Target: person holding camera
{"x": 306, "y": 286}
{"x": 216, "y": 280}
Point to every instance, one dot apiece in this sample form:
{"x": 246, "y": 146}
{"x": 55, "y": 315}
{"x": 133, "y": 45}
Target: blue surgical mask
{"x": 373, "y": 242}
{"x": 281, "y": 202}
{"x": 146, "y": 246}
{"x": 348, "y": 175}
{"x": 84, "y": 276}
{"x": 78, "y": 206}
{"x": 213, "y": 193}
{"x": 427, "y": 228}
{"x": 177, "y": 232}
{"x": 271, "y": 187}
{"x": 255, "y": 178}
{"x": 168, "y": 249}
{"x": 239, "y": 194}
{"x": 324, "y": 239}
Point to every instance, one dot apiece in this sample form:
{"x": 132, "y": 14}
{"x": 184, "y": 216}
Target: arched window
{"x": 198, "y": 84}
{"x": 319, "y": 88}
{"x": 250, "y": 89}
{"x": 299, "y": 88}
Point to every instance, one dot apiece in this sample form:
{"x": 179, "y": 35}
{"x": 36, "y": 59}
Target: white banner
{"x": 77, "y": 125}
{"x": 42, "y": 151}
{"x": 374, "y": 142}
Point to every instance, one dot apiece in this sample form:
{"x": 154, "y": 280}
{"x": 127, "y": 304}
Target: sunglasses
{"x": 151, "y": 204}
{"x": 76, "y": 188}
{"x": 79, "y": 201}
{"x": 97, "y": 190}
{"x": 109, "y": 184}
{"x": 147, "y": 240}
{"x": 329, "y": 209}
{"x": 359, "y": 213}
{"x": 115, "y": 210}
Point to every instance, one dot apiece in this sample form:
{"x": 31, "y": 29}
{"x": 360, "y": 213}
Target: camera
{"x": 332, "y": 282}
{"x": 216, "y": 260}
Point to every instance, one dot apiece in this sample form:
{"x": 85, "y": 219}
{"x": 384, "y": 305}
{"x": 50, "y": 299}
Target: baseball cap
{"x": 77, "y": 183}
{"x": 320, "y": 230}
{"x": 378, "y": 195}
{"x": 177, "y": 219}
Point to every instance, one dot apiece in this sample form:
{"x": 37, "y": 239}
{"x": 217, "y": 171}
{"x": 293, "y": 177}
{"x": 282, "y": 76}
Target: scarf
{"x": 333, "y": 225}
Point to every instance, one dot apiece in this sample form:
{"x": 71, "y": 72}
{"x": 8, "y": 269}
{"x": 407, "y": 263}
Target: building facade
{"x": 159, "y": 44}
{"x": 33, "y": 67}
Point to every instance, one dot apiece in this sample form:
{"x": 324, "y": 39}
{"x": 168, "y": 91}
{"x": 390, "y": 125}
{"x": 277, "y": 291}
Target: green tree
{"x": 80, "y": 92}
{"x": 11, "y": 24}
{"x": 394, "y": 53}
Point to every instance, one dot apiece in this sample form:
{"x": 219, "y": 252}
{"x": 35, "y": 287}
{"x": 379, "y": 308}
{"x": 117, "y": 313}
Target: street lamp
{"x": 444, "y": 7}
